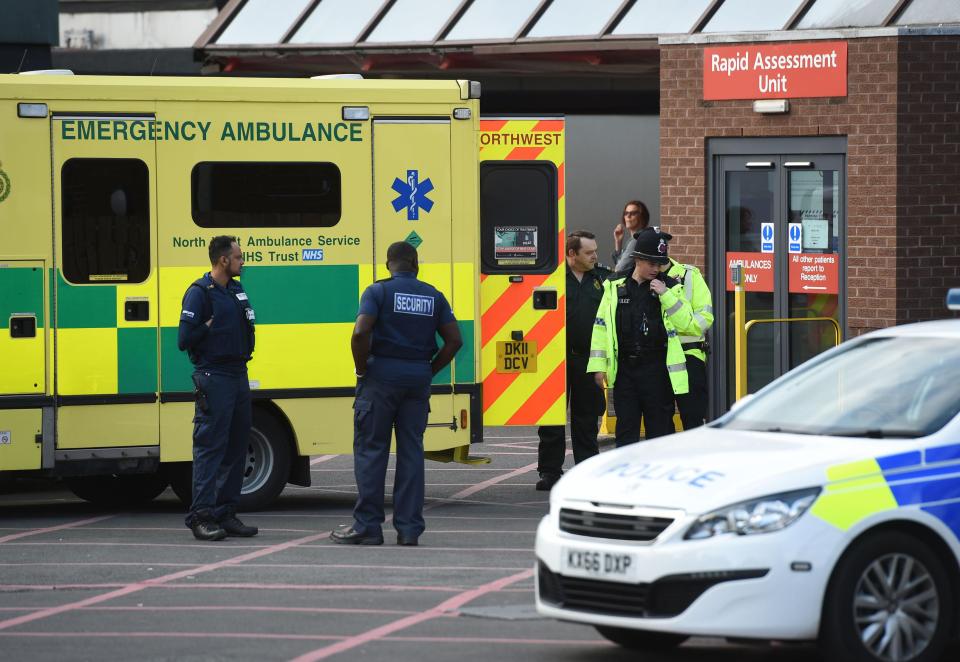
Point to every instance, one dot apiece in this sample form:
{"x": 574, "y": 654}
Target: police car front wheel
{"x": 889, "y": 601}
{"x": 641, "y": 639}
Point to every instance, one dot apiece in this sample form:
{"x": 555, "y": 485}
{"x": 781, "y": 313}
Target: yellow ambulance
{"x": 110, "y": 188}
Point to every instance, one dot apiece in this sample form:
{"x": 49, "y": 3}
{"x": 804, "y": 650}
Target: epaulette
{"x": 623, "y": 273}
{"x": 384, "y": 280}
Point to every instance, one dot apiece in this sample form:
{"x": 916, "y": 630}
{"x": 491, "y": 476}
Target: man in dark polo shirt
{"x": 584, "y": 291}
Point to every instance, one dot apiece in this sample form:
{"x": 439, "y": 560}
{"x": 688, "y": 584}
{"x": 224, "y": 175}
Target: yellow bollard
{"x": 739, "y": 331}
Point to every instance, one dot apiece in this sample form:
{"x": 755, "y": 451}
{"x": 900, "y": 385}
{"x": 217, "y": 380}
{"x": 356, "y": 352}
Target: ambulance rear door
{"x": 522, "y": 324}
{"x": 412, "y": 203}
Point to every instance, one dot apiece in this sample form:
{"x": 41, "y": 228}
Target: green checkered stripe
{"x": 280, "y": 295}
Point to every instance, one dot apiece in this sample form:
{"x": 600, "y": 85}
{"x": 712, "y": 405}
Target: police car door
{"x": 105, "y": 275}
{"x": 412, "y": 191}
{"x": 523, "y": 272}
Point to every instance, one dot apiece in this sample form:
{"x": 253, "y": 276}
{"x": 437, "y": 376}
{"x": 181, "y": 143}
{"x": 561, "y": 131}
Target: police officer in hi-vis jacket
{"x": 636, "y": 340}
{"x": 217, "y": 331}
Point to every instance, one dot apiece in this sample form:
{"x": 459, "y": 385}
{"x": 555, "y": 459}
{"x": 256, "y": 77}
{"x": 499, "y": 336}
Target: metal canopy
{"x": 573, "y": 37}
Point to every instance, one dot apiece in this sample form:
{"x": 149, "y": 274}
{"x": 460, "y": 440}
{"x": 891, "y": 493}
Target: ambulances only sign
{"x": 775, "y": 71}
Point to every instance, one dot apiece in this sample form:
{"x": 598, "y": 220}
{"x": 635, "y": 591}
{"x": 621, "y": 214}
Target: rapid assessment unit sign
{"x": 775, "y": 71}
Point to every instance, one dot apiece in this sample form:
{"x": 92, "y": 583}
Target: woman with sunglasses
{"x": 635, "y": 217}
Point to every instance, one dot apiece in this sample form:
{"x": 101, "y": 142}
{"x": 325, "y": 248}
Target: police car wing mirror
{"x": 741, "y": 402}
{"x": 953, "y": 299}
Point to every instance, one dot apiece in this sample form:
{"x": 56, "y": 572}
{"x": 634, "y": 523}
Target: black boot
{"x": 234, "y": 527}
{"x": 207, "y": 529}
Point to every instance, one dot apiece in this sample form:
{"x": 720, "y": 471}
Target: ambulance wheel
{"x": 889, "y": 600}
{"x": 266, "y": 463}
{"x": 127, "y": 489}
{"x": 180, "y": 475}
{"x": 641, "y": 640}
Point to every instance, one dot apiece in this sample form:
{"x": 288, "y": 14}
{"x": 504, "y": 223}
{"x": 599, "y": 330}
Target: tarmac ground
{"x": 80, "y": 582}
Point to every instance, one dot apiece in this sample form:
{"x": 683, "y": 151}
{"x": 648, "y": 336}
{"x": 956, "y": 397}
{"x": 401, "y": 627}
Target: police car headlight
{"x": 764, "y": 515}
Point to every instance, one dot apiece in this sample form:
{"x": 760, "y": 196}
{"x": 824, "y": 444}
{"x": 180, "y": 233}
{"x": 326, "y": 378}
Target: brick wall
{"x": 868, "y": 116}
{"x": 928, "y": 160}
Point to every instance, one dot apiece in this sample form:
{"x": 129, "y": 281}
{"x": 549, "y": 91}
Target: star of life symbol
{"x": 412, "y": 195}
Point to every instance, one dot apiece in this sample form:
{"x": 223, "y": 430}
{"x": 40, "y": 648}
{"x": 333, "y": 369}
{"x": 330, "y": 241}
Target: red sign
{"x": 814, "y": 273}
{"x": 757, "y": 271}
{"x": 775, "y": 71}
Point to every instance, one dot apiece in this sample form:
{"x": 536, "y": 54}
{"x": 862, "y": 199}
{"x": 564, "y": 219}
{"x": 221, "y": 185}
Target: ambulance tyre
{"x": 266, "y": 462}
{"x": 123, "y": 490}
{"x": 180, "y": 475}
{"x": 889, "y": 598}
{"x": 641, "y": 640}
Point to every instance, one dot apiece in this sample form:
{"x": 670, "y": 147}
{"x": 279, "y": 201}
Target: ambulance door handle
{"x": 23, "y": 325}
{"x": 136, "y": 310}
{"x": 544, "y": 299}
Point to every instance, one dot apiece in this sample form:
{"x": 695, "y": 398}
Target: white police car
{"x": 825, "y": 507}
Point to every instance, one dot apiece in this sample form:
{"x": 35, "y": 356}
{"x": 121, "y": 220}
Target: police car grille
{"x": 612, "y": 526}
{"x": 593, "y": 595}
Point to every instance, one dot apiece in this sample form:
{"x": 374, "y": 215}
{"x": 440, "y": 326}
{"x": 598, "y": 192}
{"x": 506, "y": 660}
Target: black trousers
{"x": 643, "y": 392}
{"x": 693, "y": 405}
{"x": 586, "y": 406}
{"x": 221, "y": 432}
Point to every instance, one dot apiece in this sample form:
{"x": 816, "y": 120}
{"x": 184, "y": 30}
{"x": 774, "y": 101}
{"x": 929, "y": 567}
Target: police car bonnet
{"x": 651, "y": 244}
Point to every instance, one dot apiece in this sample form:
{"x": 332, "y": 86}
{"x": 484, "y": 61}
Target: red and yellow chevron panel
{"x": 538, "y": 397}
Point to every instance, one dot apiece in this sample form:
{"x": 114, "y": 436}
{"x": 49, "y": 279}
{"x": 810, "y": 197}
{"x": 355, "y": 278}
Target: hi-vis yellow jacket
{"x": 696, "y": 292}
{"x": 604, "y": 350}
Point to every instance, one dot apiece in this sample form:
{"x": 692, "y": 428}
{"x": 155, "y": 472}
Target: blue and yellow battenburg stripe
{"x": 927, "y": 479}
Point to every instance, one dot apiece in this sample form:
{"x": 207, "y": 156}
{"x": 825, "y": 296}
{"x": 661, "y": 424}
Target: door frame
{"x": 780, "y": 147}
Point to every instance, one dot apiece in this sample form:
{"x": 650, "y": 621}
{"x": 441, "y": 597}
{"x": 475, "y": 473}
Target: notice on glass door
{"x": 814, "y": 273}
{"x": 757, "y": 271}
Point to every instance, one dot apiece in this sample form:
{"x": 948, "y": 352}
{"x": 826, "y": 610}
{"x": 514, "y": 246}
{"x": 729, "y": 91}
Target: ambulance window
{"x": 266, "y": 195}
{"x": 106, "y": 220}
{"x": 518, "y": 217}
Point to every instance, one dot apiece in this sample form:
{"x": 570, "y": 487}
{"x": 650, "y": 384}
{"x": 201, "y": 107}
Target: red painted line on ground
{"x": 391, "y": 588}
{"x": 493, "y": 481}
{"x": 449, "y": 605}
{"x": 452, "y": 604}
{"x": 501, "y": 640}
{"x": 177, "y": 635}
{"x": 139, "y": 586}
{"x": 93, "y": 543}
{"x": 51, "y": 529}
{"x": 306, "y": 637}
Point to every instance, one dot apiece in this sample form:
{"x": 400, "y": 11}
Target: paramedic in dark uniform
{"x": 217, "y": 331}
{"x": 395, "y": 357}
{"x": 584, "y": 290}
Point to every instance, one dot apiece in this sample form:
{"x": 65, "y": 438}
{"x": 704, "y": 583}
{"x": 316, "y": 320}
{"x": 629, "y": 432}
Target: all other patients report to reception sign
{"x": 779, "y": 71}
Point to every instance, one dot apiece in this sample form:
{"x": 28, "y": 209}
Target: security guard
{"x": 584, "y": 292}
{"x": 395, "y": 355}
{"x": 217, "y": 331}
{"x": 693, "y": 405}
{"x": 635, "y": 341}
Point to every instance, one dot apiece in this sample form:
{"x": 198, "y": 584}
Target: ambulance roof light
{"x": 953, "y": 299}
{"x": 31, "y": 110}
{"x": 338, "y": 76}
{"x": 356, "y": 113}
{"x": 47, "y": 72}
